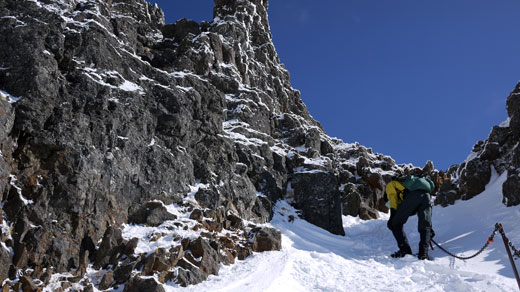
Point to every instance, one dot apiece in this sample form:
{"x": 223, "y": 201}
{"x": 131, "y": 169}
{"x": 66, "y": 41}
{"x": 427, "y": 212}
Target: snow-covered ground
{"x": 314, "y": 260}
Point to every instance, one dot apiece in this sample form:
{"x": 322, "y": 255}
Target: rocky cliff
{"x": 499, "y": 152}
{"x": 134, "y": 148}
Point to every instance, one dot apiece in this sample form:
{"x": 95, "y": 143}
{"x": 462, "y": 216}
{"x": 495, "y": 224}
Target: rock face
{"x": 110, "y": 118}
{"x": 317, "y": 195}
{"x": 5, "y": 262}
{"x": 500, "y": 153}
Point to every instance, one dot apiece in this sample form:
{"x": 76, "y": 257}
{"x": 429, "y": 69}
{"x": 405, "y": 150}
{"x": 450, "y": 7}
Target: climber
{"x": 408, "y": 196}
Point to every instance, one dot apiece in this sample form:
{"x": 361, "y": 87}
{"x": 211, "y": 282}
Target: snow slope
{"x": 314, "y": 260}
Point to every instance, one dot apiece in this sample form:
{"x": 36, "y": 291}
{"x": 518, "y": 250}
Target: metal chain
{"x": 490, "y": 239}
{"x": 516, "y": 252}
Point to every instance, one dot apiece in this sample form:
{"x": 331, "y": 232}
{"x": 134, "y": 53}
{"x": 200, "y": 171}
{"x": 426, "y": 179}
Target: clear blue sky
{"x": 414, "y": 79}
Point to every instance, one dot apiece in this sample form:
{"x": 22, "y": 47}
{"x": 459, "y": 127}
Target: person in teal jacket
{"x": 409, "y": 196}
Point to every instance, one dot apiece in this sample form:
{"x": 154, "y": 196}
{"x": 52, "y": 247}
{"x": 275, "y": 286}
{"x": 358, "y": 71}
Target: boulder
{"x": 158, "y": 215}
{"x": 123, "y": 272}
{"x": 227, "y": 257}
{"x": 138, "y": 284}
{"x": 350, "y": 200}
{"x": 151, "y": 214}
{"x": 243, "y": 251}
{"x": 235, "y": 222}
{"x": 189, "y": 276}
{"x": 106, "y": 280}
{"x": 267, "y": 239}
{"x": 162, "y": 260}
{"x": 197, "y": 215}
{"x": 202, "y": 255}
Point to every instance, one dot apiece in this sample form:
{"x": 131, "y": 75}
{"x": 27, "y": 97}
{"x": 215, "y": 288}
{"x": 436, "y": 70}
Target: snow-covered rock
{"x": 124, "y": 139}
{"x": 499, "y": 151}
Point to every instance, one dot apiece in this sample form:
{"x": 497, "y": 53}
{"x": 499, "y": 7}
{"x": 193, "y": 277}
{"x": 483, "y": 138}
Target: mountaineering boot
{"x": 423, "y": 256}
{"x": 423, "y": 253}
{"x": 402, "y": 252}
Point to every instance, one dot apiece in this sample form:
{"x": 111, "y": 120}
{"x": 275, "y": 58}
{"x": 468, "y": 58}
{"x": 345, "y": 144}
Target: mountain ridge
{"x": 113, "y": 118}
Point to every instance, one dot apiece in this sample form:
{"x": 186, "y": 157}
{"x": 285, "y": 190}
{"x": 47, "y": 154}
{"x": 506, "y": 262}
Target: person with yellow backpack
{"x": 408, "y": 196}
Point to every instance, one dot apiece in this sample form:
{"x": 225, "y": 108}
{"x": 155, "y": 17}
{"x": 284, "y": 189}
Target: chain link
{"x": 516, "y": 252}
{"x": 490, "y": 239}
{"x": 498, "y": 227}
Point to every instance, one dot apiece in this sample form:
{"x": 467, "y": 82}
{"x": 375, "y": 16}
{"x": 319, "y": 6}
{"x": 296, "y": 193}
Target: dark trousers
{"x": 414, "y": 202}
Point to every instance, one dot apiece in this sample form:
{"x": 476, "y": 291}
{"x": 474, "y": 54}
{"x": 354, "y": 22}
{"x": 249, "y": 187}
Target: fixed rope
{"x": 488, "y": 243}
{"x": 516, "y": 252}
{"x": 508, "y": 244}
{"x": 498, "y": 227}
